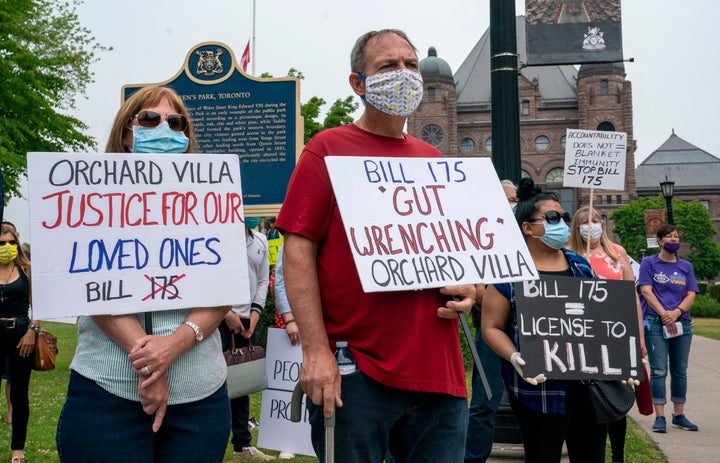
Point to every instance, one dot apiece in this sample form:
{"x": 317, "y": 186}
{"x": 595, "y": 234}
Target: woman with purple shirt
{"x": 667, "y": 291}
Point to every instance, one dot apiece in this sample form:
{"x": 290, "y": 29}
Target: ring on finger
{"x": 147, "y": 370}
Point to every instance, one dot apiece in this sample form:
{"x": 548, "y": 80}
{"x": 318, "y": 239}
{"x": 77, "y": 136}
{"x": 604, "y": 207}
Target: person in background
{"x": 287, "y": 320}
{"x": 610, "y": 262}
{"x": 148, "y": 386}
{"x": 240, "y": 322}
{"x": 552, "y": 412}
{"x": 481, "y": 419}
{"x": 6, "y": 374}
{"x": 17, "y": 334}
{"x": 407, "y": 396}
{"x": 667, "y": 291}
{"x": 284, "y": 319}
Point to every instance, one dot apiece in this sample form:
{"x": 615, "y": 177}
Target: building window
{"x": 606, "y": 126}
{"x": 431, "y": 94}
{"x": 432, "y": 134}
{"x": 524, "y": 174}
{"x": 525, "y": 108}
{"x": 555, "y": 175}
{"x": 563, "y": 140}
{"x": 488, "y": 145}
{"x": 705, "y": 203}
{"x": 467, "y": 145}
{"x": 542, "y": 142}
{"x": 618, "y": 198}
{"x": 609, "y": 199}
{"x": 599, "y": 199}
{"x": 604, "y": 87}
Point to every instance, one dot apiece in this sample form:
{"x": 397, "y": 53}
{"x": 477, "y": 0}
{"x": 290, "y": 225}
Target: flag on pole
{"x": 245, "y": 59}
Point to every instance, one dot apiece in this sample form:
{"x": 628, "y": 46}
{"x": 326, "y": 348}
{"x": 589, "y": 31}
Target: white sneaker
{"x": 286, "y": 456}
{"x": 253, "y": 454}
{"x": 253, "y": 423}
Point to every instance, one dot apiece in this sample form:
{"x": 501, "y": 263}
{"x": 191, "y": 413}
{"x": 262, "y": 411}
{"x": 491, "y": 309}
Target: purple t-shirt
{"x": 670, "y": 282}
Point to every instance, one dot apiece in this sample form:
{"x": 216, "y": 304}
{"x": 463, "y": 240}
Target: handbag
{"x": 610, "y": 400}
{"x": 45, "y": 351}
{"x": 643, "y": 395}
{"x": 246, "y": 369}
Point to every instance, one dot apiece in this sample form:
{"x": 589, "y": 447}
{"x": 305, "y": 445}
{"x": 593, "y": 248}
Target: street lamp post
{"x": 668, "y": 188}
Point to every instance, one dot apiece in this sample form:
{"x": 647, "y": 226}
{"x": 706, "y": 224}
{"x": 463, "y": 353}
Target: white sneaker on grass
{"x": 253, "y": 454}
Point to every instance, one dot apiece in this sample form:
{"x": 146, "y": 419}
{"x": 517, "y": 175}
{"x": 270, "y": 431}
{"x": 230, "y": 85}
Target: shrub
{"x": 714, "y": 292}
{"x": 703, "y": 287}
{"x": 705, "y": 306}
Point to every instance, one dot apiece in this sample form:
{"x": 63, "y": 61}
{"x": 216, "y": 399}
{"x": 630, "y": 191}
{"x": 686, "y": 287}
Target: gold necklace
{"x": 7, "y": 280}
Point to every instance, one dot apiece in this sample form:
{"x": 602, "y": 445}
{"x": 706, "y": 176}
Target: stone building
{"x": 696, "y": 174}
{"x": 455, "y": 115}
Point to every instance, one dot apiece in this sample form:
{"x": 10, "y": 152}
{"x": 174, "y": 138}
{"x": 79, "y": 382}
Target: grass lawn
{"x": 48, "y": 389}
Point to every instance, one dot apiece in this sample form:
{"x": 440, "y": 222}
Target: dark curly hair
{"x": 529, "y": 195}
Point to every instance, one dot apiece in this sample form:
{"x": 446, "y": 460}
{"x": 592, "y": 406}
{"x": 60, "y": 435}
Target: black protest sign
{"x": 576, "y": 328}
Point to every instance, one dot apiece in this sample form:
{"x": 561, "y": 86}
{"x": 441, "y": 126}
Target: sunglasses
{"x": 4, "y": 242}
{"x": 553, "y": 217}
{"x": 151, "y": 119}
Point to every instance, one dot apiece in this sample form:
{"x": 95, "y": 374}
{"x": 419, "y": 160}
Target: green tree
{"x": 340, "y": 113}
{"x": 693, "y": 221}
{"x": 45, "y": 57}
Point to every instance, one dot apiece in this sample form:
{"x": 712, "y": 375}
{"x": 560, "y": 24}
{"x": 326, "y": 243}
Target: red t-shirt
{"x": 396, "y": 337}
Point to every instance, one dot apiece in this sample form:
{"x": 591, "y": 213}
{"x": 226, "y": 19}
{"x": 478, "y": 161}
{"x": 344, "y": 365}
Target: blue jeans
{"x": 675, "y": 352}
{"x": 96, "y": 426}
{"x": 481, "y": 423}
{"x": 377, "y": 420}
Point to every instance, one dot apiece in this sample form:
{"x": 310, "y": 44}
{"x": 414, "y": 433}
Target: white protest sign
{"x": 282, "y": 363}
{"x": 595, "y": 159}
{"x": 415, "y": 223}
{"x": 126, "y": 233}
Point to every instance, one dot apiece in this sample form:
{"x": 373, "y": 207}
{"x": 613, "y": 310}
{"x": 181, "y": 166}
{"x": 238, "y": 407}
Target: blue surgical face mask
{"x": 160, "y": 139}
{"x": 252, "y": 222}
{"x": 556, "y": 234}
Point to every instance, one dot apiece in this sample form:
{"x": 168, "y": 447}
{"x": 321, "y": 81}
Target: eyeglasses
{"x": 151, "y": 119}
{"x": 553, "y": 217}
{"x": 4, "y": 242}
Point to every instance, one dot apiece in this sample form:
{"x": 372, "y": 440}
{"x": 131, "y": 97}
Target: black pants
{"x": 19, "y": 377}
{"x": 240, "y": 407}
{"x": 544, "y": 433}
{"x": 616, "y": 433}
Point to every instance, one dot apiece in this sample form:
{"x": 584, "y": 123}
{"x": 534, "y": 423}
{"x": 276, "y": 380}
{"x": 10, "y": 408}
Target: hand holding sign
{"x": 518, "y": 363}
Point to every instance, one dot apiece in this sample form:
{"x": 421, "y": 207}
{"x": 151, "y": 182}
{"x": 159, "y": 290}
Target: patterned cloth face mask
{"x": 397, "y": 93}
{"x": 8, "y": 253}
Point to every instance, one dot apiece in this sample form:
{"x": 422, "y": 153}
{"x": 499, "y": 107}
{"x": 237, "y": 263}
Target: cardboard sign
{"x": 595, "y": 159}
{"x": 127, "y": 233}
{"x": 415, "y": 223}
{"x": 577, "y": 328}
{"x": 283, "y": 362}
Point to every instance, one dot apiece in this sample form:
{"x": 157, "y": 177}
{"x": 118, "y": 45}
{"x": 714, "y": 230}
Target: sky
{"x": 673, "y": 75}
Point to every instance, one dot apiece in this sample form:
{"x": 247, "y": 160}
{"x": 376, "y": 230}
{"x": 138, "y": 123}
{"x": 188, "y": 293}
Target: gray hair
{"x": 358, "y": 56}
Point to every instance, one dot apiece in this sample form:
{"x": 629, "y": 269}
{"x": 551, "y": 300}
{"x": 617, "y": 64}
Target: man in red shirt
{"x": 408, "y": 395}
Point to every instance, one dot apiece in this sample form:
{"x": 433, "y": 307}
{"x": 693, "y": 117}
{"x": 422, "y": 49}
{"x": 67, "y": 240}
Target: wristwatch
{"x": 198, "y": 331}
{"x": 34, "y": 327}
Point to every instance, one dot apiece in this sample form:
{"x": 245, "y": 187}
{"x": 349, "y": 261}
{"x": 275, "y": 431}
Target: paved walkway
{"x": 702, "y": 408}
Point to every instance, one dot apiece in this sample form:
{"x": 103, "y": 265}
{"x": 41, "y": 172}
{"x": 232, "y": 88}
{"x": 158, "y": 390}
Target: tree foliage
{"x": 45, "y": 58}
{"x": 340, "y": 113}
{"x": 693, "y": 221}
